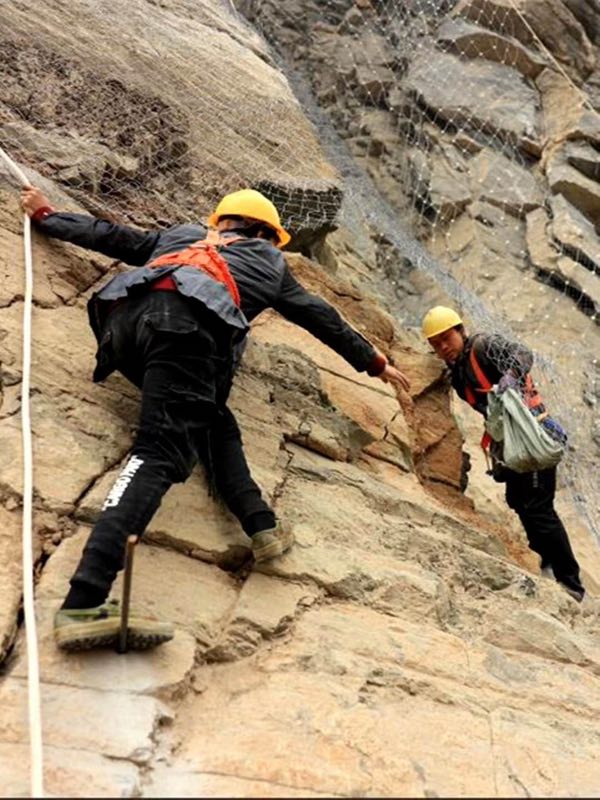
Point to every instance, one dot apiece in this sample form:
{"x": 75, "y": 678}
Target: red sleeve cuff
{"x": 41, "y": 214}
{"x": 377, "y": 365}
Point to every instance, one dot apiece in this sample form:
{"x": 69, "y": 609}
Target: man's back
{"x": 258, "y": 268}
{"x": 256, "y": 265}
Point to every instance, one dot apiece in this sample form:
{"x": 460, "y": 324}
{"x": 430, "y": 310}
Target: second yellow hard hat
{"x": 440, "y": 319}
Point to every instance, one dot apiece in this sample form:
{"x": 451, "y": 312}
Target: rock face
{"x": 479, "y": 94}
{"x": 474, "y": 41}
{"x": 143, "y": 125}
{"x": 552, "y": 21}
{"x": 401, "y": 603}
{"x": 490, "y": 119}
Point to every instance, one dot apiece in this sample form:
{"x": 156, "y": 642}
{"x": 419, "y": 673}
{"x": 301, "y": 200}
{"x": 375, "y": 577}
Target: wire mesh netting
{"x": 463, "y": 136}
{"x": 467, "y": 140}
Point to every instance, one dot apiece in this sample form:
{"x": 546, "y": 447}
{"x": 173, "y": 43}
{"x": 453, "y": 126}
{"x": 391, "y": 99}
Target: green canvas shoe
{"x": 286, "y": 537}
{"x": 271, "y": 543}
{"x": 87, "y": 628}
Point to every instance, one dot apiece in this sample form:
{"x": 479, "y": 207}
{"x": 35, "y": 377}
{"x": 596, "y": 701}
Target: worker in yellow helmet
{"x": 174, "y": 328}
{"x": 477, "y": 363}
{"x": 252, "y": 207}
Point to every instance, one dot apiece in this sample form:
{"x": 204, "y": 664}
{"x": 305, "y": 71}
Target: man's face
{"x": 448, "y": 345}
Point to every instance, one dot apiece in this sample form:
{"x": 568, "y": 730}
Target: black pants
{"x": 531, "y": 495}
{"x": 179, "y": 354}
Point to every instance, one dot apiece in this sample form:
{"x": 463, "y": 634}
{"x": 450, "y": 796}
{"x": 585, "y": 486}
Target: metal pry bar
{"x": 127, "y": 575}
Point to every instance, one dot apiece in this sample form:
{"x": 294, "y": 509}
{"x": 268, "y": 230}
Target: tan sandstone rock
{"x": 550, "y": 20}
{"x": 475, "y": 41}
{"x": 10, "y": 575}
{"x": 406, "y": 645}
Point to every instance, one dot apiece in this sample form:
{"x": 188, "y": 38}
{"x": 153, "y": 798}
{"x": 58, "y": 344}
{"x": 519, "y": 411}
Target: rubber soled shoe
{"x": 286, "y": 537}
{"x": 87, "y": 628}
{"x": 271, "y": 543}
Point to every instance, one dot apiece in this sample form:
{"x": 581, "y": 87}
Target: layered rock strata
{"x": 406, "y": 645}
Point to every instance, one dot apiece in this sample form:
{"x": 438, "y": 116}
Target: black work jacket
{"x": 258, "y": 268}
{"x": 496, "y": 356}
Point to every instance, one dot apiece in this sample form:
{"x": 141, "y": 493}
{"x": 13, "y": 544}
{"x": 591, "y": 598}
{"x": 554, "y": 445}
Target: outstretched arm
{"x": 322, "y": 320}
{"x": 392, "y": 375}
{"x": 116, "y": 241}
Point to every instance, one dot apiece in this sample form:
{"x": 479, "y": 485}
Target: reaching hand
{"x": 32, "y": 199}
{"x": 395, "y": 377}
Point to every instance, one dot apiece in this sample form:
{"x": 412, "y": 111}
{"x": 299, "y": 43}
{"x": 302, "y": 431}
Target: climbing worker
{"x": 477, "y": 363}
{"x": 175, "y": 328}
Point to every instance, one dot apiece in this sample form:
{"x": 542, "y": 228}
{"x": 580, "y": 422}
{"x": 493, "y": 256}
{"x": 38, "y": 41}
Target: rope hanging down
{"x": 33, "y": 672}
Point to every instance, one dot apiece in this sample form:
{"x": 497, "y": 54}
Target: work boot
{"x": 87, "y": 628}
{"x": 271, "y": 543}
{"x": 285, "y": 536}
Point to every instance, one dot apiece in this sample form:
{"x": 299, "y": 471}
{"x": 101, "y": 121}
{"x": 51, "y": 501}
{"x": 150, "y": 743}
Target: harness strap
{"x": 205, "y": 256}
{"x": 486, "y": 441}
{"x": 485, "y": 385}
{"x": 531, "y": 395}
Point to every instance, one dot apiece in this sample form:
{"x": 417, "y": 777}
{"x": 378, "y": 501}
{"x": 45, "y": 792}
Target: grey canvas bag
{"x": 527, "y": 447}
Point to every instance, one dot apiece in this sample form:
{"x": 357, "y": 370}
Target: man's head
{"x": 445, "y": 332}
{"x": 250, "y": 213}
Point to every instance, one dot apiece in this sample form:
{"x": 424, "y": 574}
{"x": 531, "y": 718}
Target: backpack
{"x": 515, "y": 426}
{"x": 526, "y": 445}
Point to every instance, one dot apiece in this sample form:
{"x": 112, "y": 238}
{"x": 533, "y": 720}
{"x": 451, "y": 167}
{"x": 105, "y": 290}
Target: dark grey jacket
{"x": 258, "y": 268}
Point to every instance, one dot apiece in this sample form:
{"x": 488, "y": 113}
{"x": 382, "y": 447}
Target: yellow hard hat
{"x": 439, "y": 319}
{"x": 253, "y": 204}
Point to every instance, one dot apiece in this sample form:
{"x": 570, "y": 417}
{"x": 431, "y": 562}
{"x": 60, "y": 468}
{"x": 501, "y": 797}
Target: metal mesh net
{"x": 464, "y": 145}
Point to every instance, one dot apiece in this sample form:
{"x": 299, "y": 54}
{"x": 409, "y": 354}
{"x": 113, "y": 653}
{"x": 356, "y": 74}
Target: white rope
{"x": 33, "y": 670}
{"x": 584, "y": 98}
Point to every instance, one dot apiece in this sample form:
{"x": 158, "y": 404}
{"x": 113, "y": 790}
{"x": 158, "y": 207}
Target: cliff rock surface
{"x": 406, "y": 645}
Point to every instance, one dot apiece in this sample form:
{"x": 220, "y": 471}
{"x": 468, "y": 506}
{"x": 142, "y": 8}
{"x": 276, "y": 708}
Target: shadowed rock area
{"x": 406, "y": 645}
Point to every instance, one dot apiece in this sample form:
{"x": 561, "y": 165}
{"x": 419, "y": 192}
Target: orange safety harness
{"x": 202, "y": 255}
{"x": 530, "y": 393}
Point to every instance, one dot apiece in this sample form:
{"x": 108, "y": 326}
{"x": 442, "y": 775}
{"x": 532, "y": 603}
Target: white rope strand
{"x": 584, "y": 98}
{"x": 33, "y": 671}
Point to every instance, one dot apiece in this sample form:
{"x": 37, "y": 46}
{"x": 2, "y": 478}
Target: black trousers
{"x": 180, "y": 355}
{"x": 531, "y": 495}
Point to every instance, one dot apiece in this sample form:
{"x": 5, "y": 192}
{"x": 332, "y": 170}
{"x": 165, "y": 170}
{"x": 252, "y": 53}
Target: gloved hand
{"x": 507, "y": 381}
